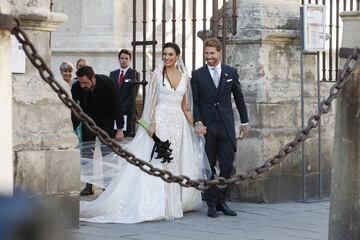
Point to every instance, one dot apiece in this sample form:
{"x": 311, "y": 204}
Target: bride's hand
{"x": 151, "y": 129}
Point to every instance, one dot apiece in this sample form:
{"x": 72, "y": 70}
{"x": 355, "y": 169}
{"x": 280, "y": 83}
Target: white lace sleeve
{"x": 151, "y": 96}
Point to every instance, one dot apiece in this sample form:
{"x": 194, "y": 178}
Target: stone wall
{"x": 266, "y": 51}
{"x": 6, "y": 170}
{"x": 344, "y": 220}
{"x": 46, "y": 161}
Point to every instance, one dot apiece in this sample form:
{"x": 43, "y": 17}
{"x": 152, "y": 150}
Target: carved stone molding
{"x": 39, "y": 19}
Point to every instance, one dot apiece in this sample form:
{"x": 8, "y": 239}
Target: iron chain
{"x": 200, "y": 184}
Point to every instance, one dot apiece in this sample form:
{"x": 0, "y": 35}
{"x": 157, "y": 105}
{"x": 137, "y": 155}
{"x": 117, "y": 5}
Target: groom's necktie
{"x": 216, "y": 77}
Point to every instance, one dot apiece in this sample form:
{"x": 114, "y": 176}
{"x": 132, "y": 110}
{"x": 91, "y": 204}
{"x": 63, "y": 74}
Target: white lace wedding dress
{"x": 134, "y": 196}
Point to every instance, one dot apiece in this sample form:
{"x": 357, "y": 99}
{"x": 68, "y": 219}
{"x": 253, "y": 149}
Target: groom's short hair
{"x": 213, "y": 42}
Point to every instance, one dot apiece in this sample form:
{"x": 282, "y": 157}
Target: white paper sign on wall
{"x": 17, "y": 56}
{"x": 314, "y": 28}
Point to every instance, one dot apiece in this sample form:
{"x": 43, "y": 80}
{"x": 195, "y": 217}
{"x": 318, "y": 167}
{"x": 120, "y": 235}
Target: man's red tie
{"x": 121, "y": 79}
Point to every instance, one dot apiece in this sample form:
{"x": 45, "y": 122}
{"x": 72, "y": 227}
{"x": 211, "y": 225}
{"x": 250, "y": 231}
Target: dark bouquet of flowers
{"x": 162, "y": 148}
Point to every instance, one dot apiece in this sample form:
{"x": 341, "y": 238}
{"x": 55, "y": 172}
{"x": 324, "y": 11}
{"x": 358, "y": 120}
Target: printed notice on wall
{"x": 17, "y": 56}
{"x": 314, "y": 28}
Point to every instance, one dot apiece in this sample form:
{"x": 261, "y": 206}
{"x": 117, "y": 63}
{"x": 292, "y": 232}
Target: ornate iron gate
{"x": 218, "y": 19}
{"x": 213, "y": 21}
{"x": 211, "y": 14}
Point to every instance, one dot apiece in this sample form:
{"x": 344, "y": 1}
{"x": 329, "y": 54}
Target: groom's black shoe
{"x": 88, "y": 190}
{"x": 212, "y": 212}
{"x": 223, "y": 207}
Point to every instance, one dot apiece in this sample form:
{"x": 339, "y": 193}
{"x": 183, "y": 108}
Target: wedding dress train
{"x": 134, "y": 196}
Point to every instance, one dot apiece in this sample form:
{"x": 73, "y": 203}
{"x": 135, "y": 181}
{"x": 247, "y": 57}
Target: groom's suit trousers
{"x": 219, "y": 147}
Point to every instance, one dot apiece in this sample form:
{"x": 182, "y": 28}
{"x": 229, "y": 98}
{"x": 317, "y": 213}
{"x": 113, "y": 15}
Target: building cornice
{"x": 39, "y": 19}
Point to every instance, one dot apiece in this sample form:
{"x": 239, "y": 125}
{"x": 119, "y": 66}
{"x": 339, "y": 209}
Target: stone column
{"x": 46, "y": 160}
{"x": 345, "y": 185}
{"x": 6, "y": 170}
{"x": 266, "y": 51}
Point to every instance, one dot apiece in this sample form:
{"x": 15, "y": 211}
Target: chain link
{"x": 200, "y": 184}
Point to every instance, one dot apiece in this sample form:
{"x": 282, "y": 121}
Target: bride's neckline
{"x": 169, "y": 81}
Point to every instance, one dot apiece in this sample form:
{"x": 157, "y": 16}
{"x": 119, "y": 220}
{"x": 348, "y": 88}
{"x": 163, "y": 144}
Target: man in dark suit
{"x": 97, "y": 97}
{"x": 212, "y": 86}
{"x": 122, "y": 79}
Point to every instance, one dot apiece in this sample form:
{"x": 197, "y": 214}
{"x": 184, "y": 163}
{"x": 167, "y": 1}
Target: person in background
{"x": 97, "y": 96}
{"x": 81, "y": 62}
{"x": 66, "y": 70}
{"x": 127, "y": 91}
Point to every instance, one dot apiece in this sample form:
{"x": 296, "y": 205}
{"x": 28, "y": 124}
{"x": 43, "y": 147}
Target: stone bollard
{"x": 6, "y": 169}
{"x": 344, "y": 220}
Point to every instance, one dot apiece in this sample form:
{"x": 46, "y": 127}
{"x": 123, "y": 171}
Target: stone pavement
{"x": 282, "y": 221}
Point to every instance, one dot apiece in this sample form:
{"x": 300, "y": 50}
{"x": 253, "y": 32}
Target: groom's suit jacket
{"x": 214, "y": 104}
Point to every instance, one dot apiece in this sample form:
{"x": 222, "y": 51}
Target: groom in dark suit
{"x": 212, "y": 86}
{"x": 122, "y": 79}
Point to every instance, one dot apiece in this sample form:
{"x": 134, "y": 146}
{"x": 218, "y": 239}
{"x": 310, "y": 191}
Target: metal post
{"x": 163, "y": 22}
{"x": 337, "y": 38}
{"x": 215, "y": 19}
{"x": 330, "y": 40}
{"x": 173, "y": 21}
{"x": 154, "y": 36}
{"x": 303, "y": 160}
{"x": 193, "y": 34}
{"x": 234, "y": 18}
{"x": 144, "y": 48}
{"x": 319, "y": 127}
{"x": 324, "y": 58}
{"x": 224, "y": 15}
{"x": 204, "y": 24}
{"x": 183, "y": 29}
{"x": 134, "y": 34}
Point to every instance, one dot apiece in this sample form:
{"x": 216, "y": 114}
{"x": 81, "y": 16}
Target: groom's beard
{"x": 212, "y": 62}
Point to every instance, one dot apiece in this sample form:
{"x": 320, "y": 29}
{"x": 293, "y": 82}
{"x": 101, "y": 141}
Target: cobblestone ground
{"x": 283, "y": 221}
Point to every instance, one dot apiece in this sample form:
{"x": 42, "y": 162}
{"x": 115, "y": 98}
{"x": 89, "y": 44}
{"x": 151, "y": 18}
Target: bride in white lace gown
{"x": 134, "y": 196}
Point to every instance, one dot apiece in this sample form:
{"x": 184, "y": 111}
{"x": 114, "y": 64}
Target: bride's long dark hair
{"x": 177, "y": 51}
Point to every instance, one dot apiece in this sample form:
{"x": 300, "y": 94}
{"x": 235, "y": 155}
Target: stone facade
{"x": 88, "y": 33}
{"x": 266, "y": 51}
{"x": 6, "y": 170}
{"x": 46, "y": 161}
{"x": 344, "y": 221}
